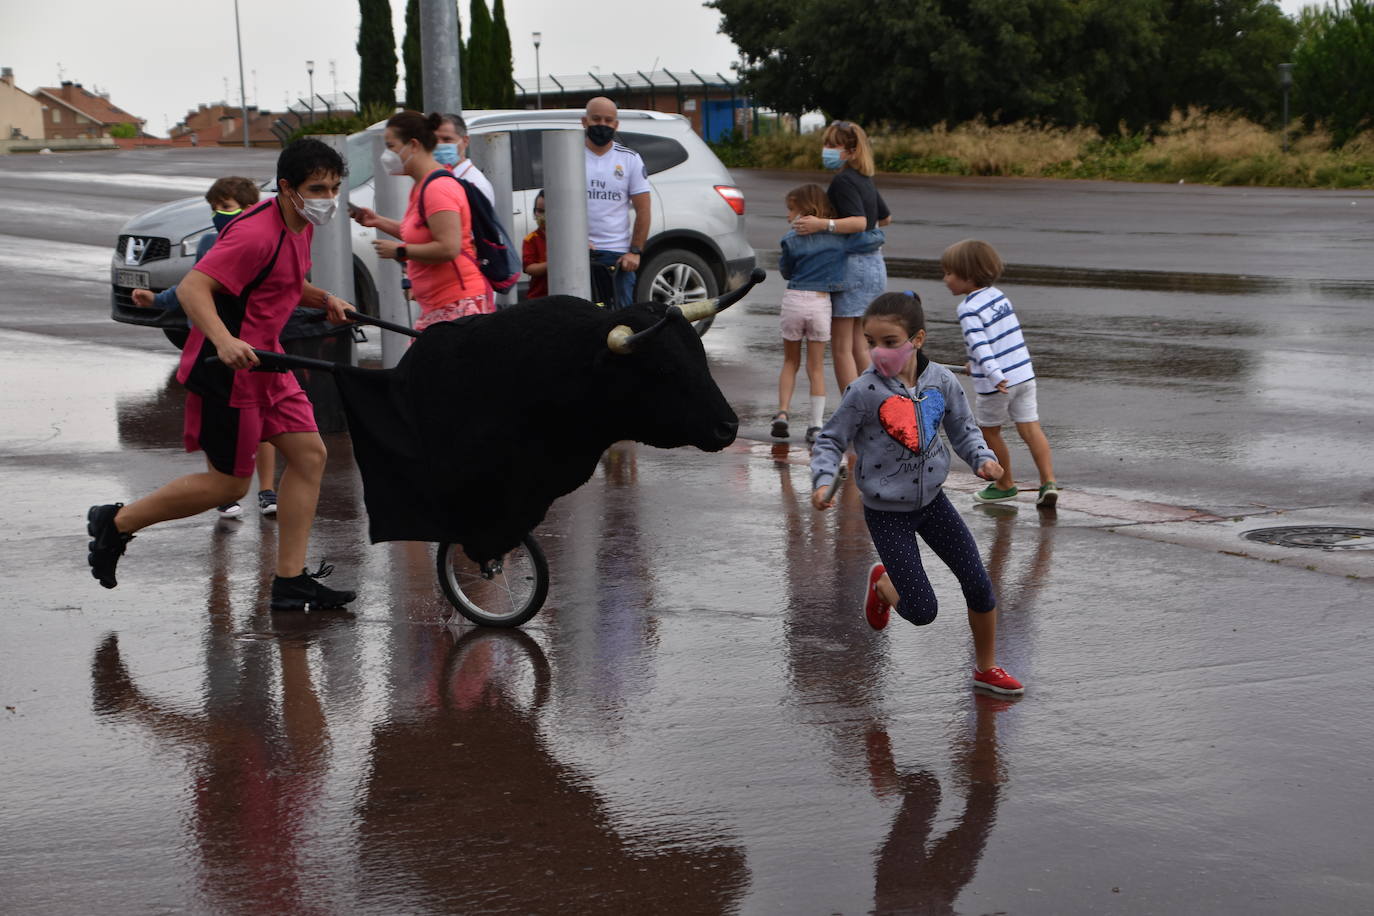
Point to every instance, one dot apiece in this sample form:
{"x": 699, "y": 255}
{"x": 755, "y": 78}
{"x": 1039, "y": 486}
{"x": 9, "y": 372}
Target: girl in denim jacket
{"x": 814, "y": 267}
{"x": 892, "y": 414}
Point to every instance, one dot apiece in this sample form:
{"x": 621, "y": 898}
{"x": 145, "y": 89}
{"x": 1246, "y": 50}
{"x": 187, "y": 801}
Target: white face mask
{"x": 393, "y": 163}
{"x": 316, "y": 210}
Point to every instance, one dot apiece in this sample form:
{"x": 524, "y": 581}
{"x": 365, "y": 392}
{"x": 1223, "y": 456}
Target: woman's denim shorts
{"x": 865, "y": 279}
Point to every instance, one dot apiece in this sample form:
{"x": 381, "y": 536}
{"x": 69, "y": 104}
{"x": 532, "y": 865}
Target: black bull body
{"x": 487, "y": 420}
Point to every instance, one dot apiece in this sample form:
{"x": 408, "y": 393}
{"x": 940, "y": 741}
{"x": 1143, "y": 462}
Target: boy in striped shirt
{"x": 1000, "y": 366}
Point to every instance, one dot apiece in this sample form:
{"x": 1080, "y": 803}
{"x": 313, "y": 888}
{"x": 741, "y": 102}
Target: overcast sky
{"x": 157, "y": 59}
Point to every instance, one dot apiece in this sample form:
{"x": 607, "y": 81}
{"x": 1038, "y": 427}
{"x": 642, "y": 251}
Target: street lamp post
{"x": 1286, "y": 83}
{"x": 310, "y": 72}
{"x": 538, "y": 87}
{"x": 243, "y": 96}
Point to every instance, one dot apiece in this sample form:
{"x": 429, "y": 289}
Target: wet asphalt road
{"x": 700, "y": 721}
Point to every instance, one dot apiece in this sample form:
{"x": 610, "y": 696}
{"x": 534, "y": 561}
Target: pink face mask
{"x": 890, "y": 360}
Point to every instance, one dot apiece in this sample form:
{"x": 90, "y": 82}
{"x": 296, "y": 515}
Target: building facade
{"x": 21, "y": 115}
{"x": 73, "y": 112}
{"x": 221, "y": 124}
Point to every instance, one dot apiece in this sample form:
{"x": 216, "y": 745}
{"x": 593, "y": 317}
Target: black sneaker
{"x": 304, "y": 593}
{"x": 229, "y": 510}
{"x": 107, "y": 544}
{"x": 267, "y": 502}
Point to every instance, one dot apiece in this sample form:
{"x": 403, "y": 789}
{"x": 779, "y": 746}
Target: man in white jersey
{"x": 452, "y": 153}
{"x": 617, "y": 185}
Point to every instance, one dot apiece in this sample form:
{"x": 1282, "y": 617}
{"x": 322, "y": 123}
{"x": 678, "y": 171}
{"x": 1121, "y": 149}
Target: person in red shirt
{"x": 536, "y": 253}
{"x": 238, "y": 297}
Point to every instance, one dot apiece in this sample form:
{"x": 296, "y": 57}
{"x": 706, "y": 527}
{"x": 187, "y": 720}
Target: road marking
{"x": 63, "y": 260}
{"x": 188, "y": 183}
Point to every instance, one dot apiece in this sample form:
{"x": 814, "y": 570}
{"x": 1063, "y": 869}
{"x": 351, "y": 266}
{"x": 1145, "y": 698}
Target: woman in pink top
{"x": 436, "y": 232}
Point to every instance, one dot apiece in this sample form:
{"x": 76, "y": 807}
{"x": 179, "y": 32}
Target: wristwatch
{"x": 830, "y": 226}
{"x": 401, "y": 253}
{"x": 635, "y": 249}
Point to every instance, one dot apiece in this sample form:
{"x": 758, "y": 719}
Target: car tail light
{"x": 733, "y": 196}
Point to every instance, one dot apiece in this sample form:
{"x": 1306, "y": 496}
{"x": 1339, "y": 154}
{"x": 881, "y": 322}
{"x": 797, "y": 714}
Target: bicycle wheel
{"x": 506, "y": 593}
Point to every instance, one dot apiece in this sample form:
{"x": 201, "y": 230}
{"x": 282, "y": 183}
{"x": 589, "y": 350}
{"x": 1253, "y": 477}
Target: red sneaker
{"x": 875, "y": 608}
{"x": 997, "y": 680}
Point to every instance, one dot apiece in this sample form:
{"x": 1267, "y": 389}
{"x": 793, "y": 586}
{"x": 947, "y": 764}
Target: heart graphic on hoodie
{"x": 898, "y": 417}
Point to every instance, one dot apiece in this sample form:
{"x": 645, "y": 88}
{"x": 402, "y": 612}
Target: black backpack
{"x": 496, "y": 258}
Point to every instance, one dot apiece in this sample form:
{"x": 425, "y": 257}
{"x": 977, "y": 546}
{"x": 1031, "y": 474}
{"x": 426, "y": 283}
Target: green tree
{"x": 1223, "y": 55}
{"x": 502, "y": 68}
{"x": 477, "y": 86}
{"x": 462, "y": 57}
{"x": 1333, "y": 67}
{"x": 376, "y": 54}
{"x": 410, "y": 55}
{"x": 920, "y": 62}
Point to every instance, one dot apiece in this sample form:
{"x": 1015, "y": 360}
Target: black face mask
{"x": 600, "y": 134}
{"x": 221, "y": 219}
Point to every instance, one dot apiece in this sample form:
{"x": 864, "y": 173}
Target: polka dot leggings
{"x": 941, "y": 527}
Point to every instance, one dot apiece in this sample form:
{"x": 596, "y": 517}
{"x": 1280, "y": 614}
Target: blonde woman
{"x": 859, "y": 208}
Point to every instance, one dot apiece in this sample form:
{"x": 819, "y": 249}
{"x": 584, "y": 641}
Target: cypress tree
{"x": 410, "y": 55}
{"x": 479, "y": 57}
{"x": 462, "y": 56}
{"x": 502, "y": 76}
{"x": 376, "y": 55}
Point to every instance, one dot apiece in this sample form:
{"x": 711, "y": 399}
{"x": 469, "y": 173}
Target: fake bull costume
{"x": 487, "y": 420}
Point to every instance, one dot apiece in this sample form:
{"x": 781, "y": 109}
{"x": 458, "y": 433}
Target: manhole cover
{"x": 1319, "y": 537}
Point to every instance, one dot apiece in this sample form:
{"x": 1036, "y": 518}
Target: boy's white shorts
{"x": 1018, "y": 405}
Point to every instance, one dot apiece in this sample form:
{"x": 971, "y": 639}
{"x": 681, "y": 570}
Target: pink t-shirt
{"x": 438, "y": 285}
{"x": 255, "y": 306}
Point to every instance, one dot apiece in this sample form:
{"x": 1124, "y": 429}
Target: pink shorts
{"x": 477, "y": 305}
{"x": 805, "y": 315}
{"x": 229, "y": 436}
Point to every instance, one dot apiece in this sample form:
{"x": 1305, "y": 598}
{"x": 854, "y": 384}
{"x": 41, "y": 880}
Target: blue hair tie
{"x": 911, "y": 293}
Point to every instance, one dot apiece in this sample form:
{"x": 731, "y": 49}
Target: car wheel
{"x": 177, "y": 336}
{"x": 676, "y": 276}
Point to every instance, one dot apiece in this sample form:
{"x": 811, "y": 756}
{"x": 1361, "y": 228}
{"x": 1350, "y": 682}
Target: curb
{"x": 1109, "y": 278}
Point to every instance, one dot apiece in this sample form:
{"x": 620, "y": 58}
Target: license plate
{"x": 136, "y": 279}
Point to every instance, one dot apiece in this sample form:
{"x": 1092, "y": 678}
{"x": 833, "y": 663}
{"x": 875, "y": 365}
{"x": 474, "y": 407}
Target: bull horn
{"x": 623, "y": 339}
{"x": 705, "y": 308}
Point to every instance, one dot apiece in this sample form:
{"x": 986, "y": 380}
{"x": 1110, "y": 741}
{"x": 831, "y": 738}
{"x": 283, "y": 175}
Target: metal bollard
{"x": 331, "y": 256}
{"x": 491, "y": 154}
{"x": 565, "y": 197}
{"x": 331, "y": 252}
{"x": 389, "y": 200}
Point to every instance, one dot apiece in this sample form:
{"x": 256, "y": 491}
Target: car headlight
{"x": 189, "y": 244}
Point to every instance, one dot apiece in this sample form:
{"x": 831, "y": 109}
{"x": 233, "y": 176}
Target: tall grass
{"x": 1194, "y": 146}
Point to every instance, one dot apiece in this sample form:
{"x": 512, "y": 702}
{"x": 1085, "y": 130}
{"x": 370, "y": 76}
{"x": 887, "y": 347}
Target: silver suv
{"x": 697, "y": 245}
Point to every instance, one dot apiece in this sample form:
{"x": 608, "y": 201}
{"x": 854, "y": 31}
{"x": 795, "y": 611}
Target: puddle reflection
{"x": 605, "y": 636}
{"x": 835, "y": 667}
{"x": 912, "y": 874}
{"x": 466, "y": 808}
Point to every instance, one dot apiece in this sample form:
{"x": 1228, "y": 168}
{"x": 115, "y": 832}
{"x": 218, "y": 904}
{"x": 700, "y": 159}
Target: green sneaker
{"x": 990, "y": 494}
{"x": 1049, "y": 495}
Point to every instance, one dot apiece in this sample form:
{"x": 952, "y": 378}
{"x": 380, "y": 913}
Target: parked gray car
{"x": 697, "y": 245}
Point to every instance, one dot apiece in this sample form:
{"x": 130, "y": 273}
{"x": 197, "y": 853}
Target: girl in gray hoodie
{"x": 892, "y": 414}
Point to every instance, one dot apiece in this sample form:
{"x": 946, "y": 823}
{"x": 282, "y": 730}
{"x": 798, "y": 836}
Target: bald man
{"x": 617, "y": 185}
